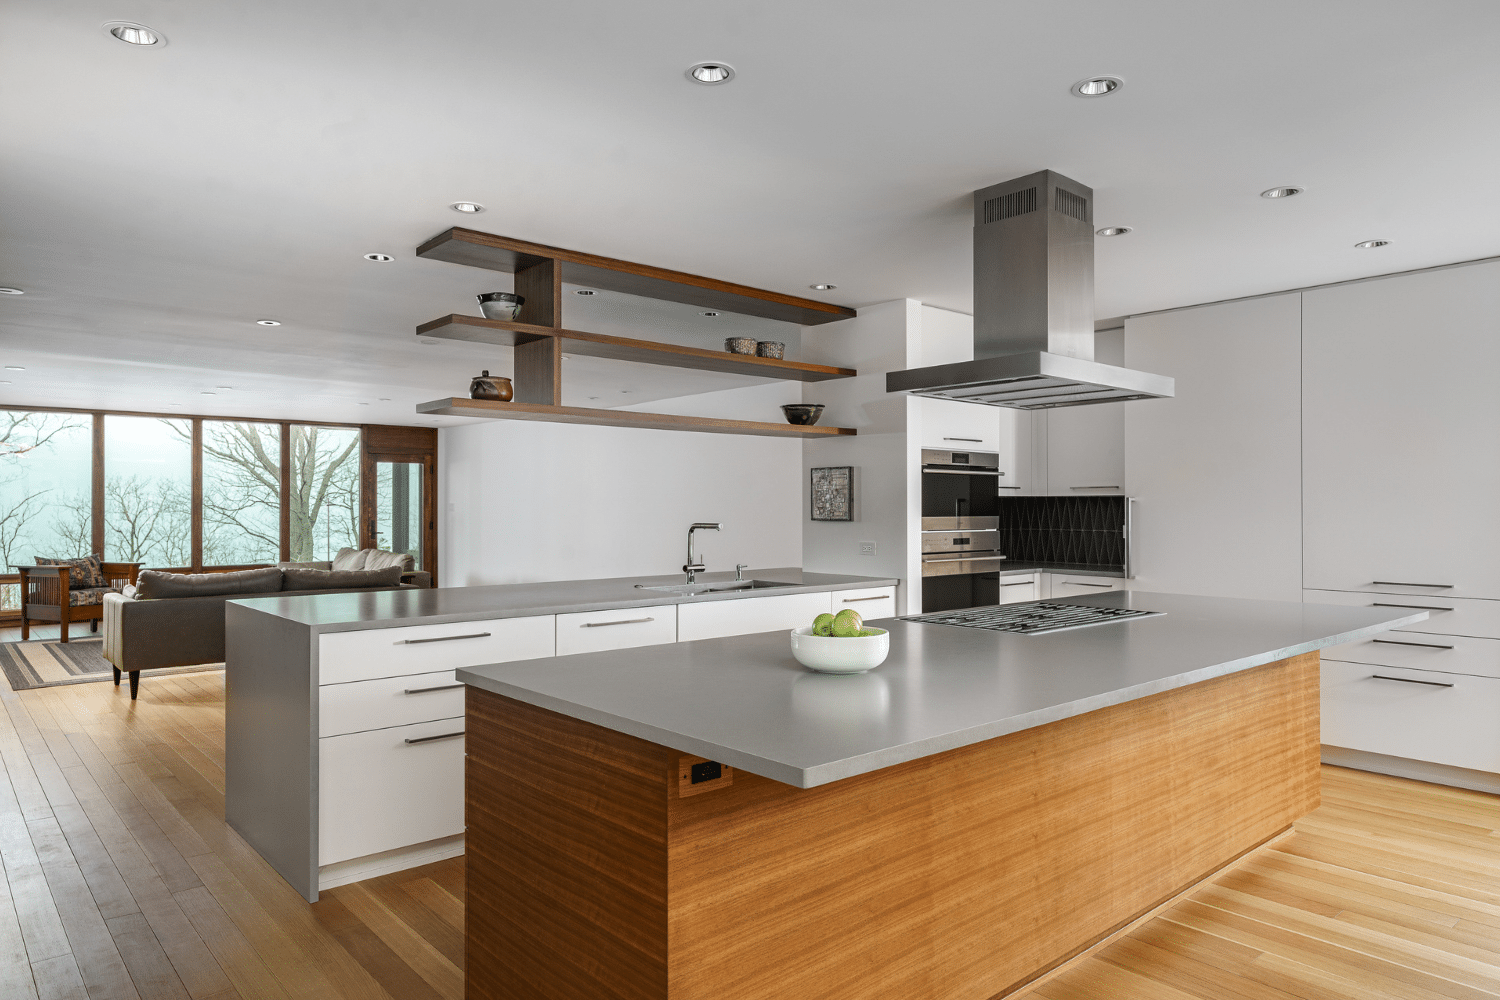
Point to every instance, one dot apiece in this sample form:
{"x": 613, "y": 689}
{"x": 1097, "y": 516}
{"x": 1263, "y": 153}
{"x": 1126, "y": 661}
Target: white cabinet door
{"x": 876, "y": 602}
{"x": 1445, "y": 616}
{"x": 592, "y": 631}
{"x": 417, "y": 649}
{"x": 1086, "y": 444}
{"x": 1417, "y": 714}
{"x": 1215, "y": 470}
{"x": 950, "y": 426}
{"x": 741, "y": 616}
{"x": 1014, "y": 589}
{"x": 1453, "y": 654}
{"x": 1071, "y": 585}
{"x": 1401, "y": 421}
{"x": 389, "y": 788}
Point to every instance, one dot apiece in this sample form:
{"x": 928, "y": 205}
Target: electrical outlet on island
{"x": 867, "y": 548}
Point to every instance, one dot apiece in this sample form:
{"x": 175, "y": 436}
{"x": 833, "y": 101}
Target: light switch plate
{"x": 867, "y": 548}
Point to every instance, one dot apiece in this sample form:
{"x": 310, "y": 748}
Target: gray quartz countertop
{"x": 391, "y": 608}
{"x": 745, "y": 702}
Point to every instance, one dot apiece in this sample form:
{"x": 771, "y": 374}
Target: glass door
{"x": 399, "y": 508}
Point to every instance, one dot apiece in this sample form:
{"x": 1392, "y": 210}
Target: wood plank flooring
{"x": 121, "y": 880}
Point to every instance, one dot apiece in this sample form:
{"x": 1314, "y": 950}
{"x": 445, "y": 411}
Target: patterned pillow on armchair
{"x": 85, "y": 573}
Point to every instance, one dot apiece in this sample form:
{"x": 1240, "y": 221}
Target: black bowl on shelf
{"x": 803, "y": 414}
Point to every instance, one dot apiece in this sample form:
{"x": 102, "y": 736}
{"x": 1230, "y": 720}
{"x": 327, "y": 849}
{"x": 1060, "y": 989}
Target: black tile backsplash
{"x": 1087, "y": 532}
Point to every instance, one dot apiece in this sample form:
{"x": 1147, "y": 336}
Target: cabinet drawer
{"x": 748, "y": 614}
{"x": 875, "y": 602}
{"x": 1420, "y": 721}
{"x": 952, "y": 426}
{"x": 421, "y": 649}
{"x": 1454, "y": 654}
{"x": 1076, "y": 586}
{"x": 377, "y": 792}
{"x": 389, "y": 701}
{"x": 591, "y": 631}
{"x": 1014, "y": 589}
{"x": 1445, "y": 615}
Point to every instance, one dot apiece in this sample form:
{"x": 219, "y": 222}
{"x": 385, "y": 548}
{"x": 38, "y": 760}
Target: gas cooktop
{"x": 1033, "y": 619}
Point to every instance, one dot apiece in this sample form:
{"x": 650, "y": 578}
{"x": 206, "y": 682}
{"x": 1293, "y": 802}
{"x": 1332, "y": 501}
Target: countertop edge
{"x": 822, "y": 774}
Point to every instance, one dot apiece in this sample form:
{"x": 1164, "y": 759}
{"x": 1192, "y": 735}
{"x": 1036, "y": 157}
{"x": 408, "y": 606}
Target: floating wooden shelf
{"x": 598, "y": 345}
{"x": 460, "y": 407}
{"x": 500, "y": 253}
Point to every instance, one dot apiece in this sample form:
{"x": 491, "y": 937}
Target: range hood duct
{"x": 1033, "y": 307}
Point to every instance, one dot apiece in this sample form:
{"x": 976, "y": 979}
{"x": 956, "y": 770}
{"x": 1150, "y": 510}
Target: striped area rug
{"x": 39, "y": 664}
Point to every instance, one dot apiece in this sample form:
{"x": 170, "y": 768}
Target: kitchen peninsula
{"x": 709, "y": 820}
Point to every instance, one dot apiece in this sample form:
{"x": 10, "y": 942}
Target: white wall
{"x": 880, "y": 339}
{"x": 524, "y": 501}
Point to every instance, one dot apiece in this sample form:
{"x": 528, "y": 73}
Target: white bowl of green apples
{"x": 840, "y": 644}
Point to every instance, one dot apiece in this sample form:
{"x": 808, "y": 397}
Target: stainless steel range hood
{"x": 1033, "y": 307}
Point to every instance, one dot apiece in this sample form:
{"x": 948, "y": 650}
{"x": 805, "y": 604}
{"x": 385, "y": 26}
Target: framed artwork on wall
{"x": 833, "y": 493}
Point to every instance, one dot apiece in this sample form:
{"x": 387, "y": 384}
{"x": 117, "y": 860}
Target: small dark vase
{"x": 487, "y": 386}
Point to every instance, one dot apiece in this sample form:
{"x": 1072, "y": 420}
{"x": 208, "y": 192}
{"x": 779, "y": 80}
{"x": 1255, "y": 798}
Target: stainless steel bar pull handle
{"x": 440, "y": 687}
{"x": 971, "y": 440}
{"x": 1408, "y": 680}
{"x": 1080, "y": 583}
{"x": 877, "y": 597}
{"x": 1093, "y": 487}
{"x": 1396, "y": 583}
{"x": 627, "y": 621}
{"x": 1418, "y": 607}
{"x": 1018, "y": 583}
{"x": 429, "y": 739}
{"x": 1398, "y": 642}
{"x": 442, "y": 638}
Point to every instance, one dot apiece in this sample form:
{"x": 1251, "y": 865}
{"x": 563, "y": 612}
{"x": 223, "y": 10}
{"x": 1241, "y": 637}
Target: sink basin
{"x": 716, "y": 588}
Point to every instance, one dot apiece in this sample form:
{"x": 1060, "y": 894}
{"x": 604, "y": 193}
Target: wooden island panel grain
{"x": 961, "y": 875}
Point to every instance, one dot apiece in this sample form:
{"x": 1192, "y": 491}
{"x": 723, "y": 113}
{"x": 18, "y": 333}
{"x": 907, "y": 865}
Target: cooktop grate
{"x": 1032, "y": 619}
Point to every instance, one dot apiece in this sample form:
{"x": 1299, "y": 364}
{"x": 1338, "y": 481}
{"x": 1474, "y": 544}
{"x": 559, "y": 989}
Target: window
{"x": 324, "y": 491}
{"x": 148, "y": 495}
{"x": 241, "y": 493}
{"x": 398, "y": 508}
{"x": 46, "y": 482}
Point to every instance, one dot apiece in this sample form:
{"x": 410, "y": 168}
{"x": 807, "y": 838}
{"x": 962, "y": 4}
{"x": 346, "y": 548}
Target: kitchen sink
{"x": 717, "y": 588}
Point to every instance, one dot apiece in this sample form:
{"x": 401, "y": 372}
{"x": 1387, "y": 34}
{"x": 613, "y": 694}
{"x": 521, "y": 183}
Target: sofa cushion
{"x": 349, "y": 559}
{"x": 380, "y": 559}
{"x": 305, "y": 565}
{"x": 79, "y": 597}
{"x": 334, "y": 579}
{"x": 154, "y": 584}
{"x": 83, "y": 573}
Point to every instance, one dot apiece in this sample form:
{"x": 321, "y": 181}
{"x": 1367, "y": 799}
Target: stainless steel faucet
{"x": 739, "y": 572}
{"x": 692, "y": 569}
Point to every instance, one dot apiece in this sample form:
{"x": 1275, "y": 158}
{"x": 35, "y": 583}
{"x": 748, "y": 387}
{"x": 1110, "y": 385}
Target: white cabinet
{"x": 415, "y": 649}
{"x": 1444, "y": 718}
{"x": 1215, "y": 470}
{"x": 950, "y": 426}
{"x": 1073, "y": 585}
{"x": 389, "y": 788}
{"x": 1085, "y": 445}
{"x": 1017, "y": 588}
{"x": 1401, "y": 419}
{"x": 741, "y": 616}
{"x": 1445, "y": 615}
{"x": 876, "y": 602}
{"x": 1454, "y": 654}
{"x": 624, "y": 628}
{"x": 389, "y": 701}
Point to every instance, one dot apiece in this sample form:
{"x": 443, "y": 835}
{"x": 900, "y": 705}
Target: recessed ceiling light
{"x": 593, "y": 397}
{"x": 385, "y": 399}
{"x": 1372, "y": 244}
{"x": 583, "y": 291}
{"x": 11, "y": 291}
{"x": 710, "y": 73}
{"x": 467, "y": 207}
{"x": 224, "y": 388}
{"x": 709, "y": 312}
{"x": 361, "y": 404}
{"x": 135, "y": 34}
{"x": 267, "y": 322}
{"x": 1113, "y": 231}
{"x": 380, "y": 257}
{"x": 14, "y": 368}
{"x": 822, "y": 287}
{"x": 205, "y": 392}
{"x": 1097, "y": 86}
{"x": 174, "y": 404}
{"x": 1285, "y": 192}
{"x": 627, "y": 391}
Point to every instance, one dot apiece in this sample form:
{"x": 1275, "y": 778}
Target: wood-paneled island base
{"x": 964, "y": 874}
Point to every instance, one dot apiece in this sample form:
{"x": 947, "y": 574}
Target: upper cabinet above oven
{"x": 963, "y": 427}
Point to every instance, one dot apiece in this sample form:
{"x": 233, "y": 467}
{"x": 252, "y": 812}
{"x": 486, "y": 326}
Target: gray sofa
{"x": 177, "y": 619}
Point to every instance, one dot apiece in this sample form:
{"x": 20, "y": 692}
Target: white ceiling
{"x": 154, "y": 203}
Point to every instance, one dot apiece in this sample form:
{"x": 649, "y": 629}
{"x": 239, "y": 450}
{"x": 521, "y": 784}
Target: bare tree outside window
{"x": 44, "y": 460}
{"x": 148, "y": 465}
{"x": 325, "y": 491}
{"x": 241, "y": 493}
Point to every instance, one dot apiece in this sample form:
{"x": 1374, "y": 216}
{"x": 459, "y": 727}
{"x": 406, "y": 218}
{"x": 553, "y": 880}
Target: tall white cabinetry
{"x": 1215, "y": 470}
{"x": 1401, "y": 473}
{"x": 1084, "y": 445}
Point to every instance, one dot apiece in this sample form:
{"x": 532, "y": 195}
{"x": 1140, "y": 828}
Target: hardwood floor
{"x": 121, "y": 880}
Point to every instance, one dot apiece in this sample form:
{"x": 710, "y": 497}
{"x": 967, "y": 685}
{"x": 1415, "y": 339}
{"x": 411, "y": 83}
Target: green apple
{"x": 847, "y": 623}
{"x": 823, "y": 624}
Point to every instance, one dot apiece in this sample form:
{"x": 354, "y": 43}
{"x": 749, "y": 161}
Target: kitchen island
{"x": 711, "y": 820}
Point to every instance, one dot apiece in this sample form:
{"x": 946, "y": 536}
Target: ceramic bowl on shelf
{"x": 740, "y": 345}
{"x": 501, "y": 305}
{"x": 805, "y": 414}
{"x": 829, "y": 654}
{"x": 770, "y": 349}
